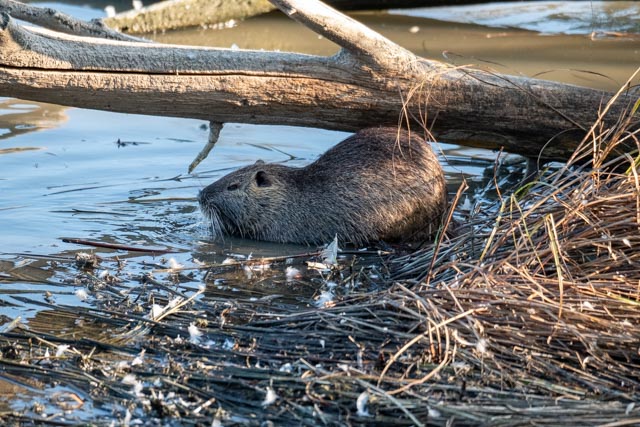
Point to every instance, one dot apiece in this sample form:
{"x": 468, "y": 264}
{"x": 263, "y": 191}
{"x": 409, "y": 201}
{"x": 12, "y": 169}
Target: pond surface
{"x": 116, "y": 178}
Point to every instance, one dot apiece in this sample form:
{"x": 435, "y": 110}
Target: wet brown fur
{"x": 379, "y": 184}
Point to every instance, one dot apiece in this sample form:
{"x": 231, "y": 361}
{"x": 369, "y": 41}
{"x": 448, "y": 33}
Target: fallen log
{"x": 173, "y": 14}
{"x": 371, "y": 81}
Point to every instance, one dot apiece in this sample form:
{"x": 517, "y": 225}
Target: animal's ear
{"x": 259, "y": 162}
{"x": 263, "y": 179}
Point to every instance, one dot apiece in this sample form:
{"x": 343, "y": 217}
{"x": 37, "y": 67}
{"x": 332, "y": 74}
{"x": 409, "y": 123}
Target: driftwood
{"x": 173, "y": 14}
{"x": 371, "y": 81}
{"x": 61, "y": 22}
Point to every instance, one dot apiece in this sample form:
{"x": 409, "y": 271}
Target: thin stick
{"x": 116, "y": 246}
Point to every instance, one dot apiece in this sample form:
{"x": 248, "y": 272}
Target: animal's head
{"x": 242, "y": 202}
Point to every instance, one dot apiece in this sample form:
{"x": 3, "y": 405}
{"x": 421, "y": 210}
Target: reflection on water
{"x": 18, "y": 117}
{"x": 12, "y": 392}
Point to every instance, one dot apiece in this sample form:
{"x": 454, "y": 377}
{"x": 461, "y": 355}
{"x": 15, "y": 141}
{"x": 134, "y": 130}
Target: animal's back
{"x": 384, "y": 184}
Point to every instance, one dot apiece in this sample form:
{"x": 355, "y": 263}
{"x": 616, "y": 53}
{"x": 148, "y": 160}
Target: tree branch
{"x": 370, "y": 82}
{"x": 58, "y": 21}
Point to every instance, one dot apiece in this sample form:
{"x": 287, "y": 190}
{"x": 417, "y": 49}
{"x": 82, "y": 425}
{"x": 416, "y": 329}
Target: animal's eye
{"x": 262, "y": 179}
{"x": 232, "y": 187}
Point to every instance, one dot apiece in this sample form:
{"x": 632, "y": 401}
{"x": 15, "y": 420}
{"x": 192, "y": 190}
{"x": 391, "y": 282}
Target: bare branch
{"x": 58, "y": 21}
{"x": 357, "y": 39}
{"x": 214, "y": 134}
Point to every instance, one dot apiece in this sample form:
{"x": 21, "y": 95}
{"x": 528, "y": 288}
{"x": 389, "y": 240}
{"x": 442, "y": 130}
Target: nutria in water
{"x": 379, "y": 184}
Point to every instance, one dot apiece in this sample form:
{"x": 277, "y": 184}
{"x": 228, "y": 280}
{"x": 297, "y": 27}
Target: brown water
{"x": 64, "y": 174}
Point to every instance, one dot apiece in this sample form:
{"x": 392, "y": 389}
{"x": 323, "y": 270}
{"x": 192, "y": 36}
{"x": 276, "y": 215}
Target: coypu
{"x": 379, "y": 184}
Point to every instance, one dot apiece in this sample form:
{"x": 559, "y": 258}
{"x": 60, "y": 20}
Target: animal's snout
{"x": 202, "y": 195}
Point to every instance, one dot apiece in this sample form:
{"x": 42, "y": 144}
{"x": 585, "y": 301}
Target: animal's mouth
{"x": 202, "y": 199}
{"x": 213, "y": 215}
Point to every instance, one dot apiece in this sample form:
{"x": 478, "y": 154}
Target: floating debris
{"x": 270, "y": 398}
{"x": 361, "y": 404}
